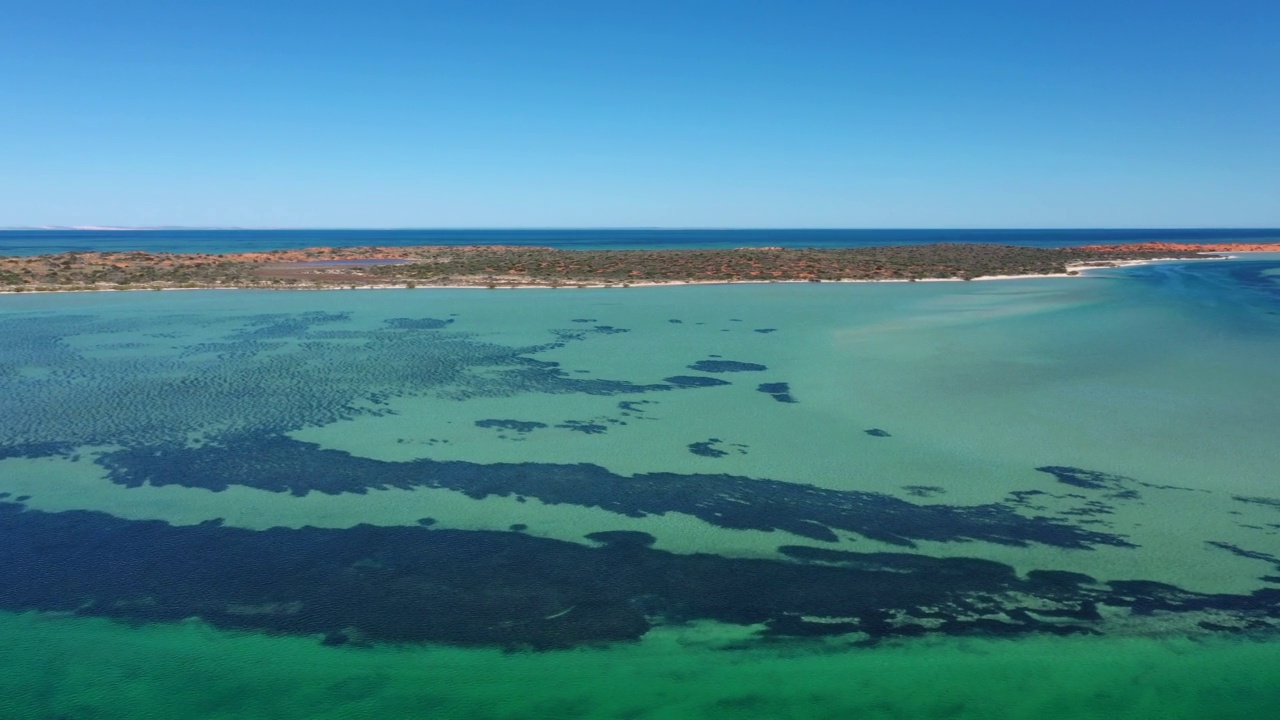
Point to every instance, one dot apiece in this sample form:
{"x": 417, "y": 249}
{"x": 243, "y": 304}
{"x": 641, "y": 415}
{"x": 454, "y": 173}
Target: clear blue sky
{"x": 806, "y": 113}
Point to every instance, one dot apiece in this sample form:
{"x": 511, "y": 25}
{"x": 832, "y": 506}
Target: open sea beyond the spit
{"x": 1046, "y": 498}
{"x": 185, "y": 240}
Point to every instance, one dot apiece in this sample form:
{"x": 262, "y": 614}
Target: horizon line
{"x": 664, "y": 228}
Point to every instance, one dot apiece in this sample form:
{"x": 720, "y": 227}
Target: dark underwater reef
{"x": 779, "y": 391}
{"x": 510, "y": 589}
{"x": 281, "y": 464}
{"x": 723, "y": 366}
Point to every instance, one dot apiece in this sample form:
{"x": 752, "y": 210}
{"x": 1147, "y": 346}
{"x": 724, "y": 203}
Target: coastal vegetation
{"x": 514, "y": 266}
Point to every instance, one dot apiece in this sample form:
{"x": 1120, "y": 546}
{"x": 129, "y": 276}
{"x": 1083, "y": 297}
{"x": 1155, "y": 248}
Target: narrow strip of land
{"x": 513, "y": 266}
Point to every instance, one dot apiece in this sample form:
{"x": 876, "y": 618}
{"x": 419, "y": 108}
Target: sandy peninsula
{"x": 518, "y": 266}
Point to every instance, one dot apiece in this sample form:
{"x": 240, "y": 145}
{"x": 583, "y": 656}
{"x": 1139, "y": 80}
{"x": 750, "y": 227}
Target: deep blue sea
{"x": 39, "y": 242}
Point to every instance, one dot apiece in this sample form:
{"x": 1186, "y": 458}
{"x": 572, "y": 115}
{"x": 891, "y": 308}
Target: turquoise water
{"x": 1027, "y": 498}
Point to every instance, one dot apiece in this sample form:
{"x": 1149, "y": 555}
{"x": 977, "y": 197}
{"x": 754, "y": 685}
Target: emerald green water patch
{"x": 84, "y": 668}
{"x": 960, "y": 460}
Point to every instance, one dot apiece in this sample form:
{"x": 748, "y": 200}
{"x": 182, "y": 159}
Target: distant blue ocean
{"x": 39, "y": 242}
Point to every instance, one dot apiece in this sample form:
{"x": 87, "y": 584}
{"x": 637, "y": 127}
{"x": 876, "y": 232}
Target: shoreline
{"x": 1074, "y": 271}
{"x": 299, "y": 270}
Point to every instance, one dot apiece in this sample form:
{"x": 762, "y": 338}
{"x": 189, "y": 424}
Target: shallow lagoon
{"x": 532, "y": 419}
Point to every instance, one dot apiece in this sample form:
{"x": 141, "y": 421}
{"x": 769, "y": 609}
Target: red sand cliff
{"x": 1192, "y": 247}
